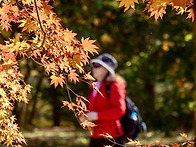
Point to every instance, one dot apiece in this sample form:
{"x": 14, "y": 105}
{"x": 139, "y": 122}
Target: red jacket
{"x": 110, "y": 110}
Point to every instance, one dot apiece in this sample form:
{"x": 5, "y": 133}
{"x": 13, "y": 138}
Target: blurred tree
{"x": 150, "y": 54}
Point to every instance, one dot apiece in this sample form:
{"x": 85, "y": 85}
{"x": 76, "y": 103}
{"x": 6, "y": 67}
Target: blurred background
{"x": 155, "y": 58}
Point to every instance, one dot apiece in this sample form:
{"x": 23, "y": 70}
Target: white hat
{"x": 107, "y": 61}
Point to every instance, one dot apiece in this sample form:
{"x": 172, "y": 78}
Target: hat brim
{"x": 103, "y": 64}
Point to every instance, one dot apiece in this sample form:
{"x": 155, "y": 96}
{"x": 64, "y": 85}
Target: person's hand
{"x": 82, "y": 118}
{"x": 92, "y": 116}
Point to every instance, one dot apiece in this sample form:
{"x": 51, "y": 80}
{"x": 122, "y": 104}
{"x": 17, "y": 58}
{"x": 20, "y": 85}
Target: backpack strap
{"x": 108, "y": 90}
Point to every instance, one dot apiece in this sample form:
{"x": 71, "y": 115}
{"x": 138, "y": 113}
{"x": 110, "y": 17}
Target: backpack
{"x": 131, "y": 121}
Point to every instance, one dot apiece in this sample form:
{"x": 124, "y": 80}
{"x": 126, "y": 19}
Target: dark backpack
{"x": 131, "y": 121}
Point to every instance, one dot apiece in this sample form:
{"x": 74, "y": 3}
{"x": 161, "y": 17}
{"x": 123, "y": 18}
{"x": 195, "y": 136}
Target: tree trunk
{"x": 194, "y": 93}
{"x": 56, "y": 115}
{"x": 35, "y": 96}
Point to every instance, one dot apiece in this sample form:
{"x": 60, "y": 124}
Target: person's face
{"x": 99, "y": 72}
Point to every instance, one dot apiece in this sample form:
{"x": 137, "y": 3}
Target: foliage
{"x": 42, "y": 39}
{"x": 157, "y": 8}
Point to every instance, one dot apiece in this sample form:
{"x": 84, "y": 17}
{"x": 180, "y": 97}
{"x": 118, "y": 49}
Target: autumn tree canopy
{"x": 157, "y": 8}
{"x": 42, "y": 39}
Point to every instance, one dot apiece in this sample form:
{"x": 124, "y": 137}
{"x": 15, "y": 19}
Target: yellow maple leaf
{"x": 88, "y": 76}
{"x": 27, "y": 24}
{"x": 133, "y": 142}
{"x": 184, "y": 135}
{"x": 95, "y": 87}
{"x": 106, "y": 135}
{"x": 127, "y": 4}
{"x": 76, "y": 62}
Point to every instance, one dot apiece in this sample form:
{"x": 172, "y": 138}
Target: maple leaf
{"x": 133, "y": 142}
{"x": 69, "y": 35}
{"x": 73, "y": 76}
{"x": 95, "y": 87}
{"x": 89, "y": 46}
{"x": 47, "y": 8}
{"x": 88, "y": 76}
{"x": 69, "y": 105}
{"x": 27, "y": 24}
{"x": 180, "y": 3}
{"x": 57, "y": 79}
{"x": 8, "y": 64}
{"x": 64, "y": 65}
{"x": 88, "y": 124}
{"x": 51, "y": 67}
{"x": 106, "y": 135}
{"x": 36, "y": 53}
{"x": 5, "y": 25}
{"x": 84, "y": 98}
{"x": 83, "y": 105}
{"x": 176, "y": 144}
{"x": 191, "y": 14}
{"x": 127, "y": 4}
{"x": 184, "y": 135}
{"x": 9, "y": 56}
{"x": 27, "y": 2}
{"x": 158, "y": 13}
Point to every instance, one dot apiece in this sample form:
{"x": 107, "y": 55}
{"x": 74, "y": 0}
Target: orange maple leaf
{"x": 73, "y": 76}
{"x": 69, "y": 105}
{"x": 57, "y": 79}
{"x": 191, "y": 14}
{"x": 88, "y": 124}
{"x": 46, "y": 6}
{"x": 89, "y": 46}
{"x": 36, "y": 53}
{"x": 176, "y": 144}
{"x": 158, "y": 13}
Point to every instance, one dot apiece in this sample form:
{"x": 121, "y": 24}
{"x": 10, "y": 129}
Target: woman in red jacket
{"x": 106, "y": 111}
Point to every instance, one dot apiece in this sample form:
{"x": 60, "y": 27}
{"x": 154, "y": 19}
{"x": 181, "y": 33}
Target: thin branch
{"x": 39, "y": 20}
{"x": 68, "y": 92}
{"x": 36, "y": 61}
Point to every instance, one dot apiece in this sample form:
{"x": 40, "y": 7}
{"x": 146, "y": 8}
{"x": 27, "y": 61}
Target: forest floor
{"x": 72, "y": 137}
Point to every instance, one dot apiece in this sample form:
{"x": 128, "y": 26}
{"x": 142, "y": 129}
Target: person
{"x": 105, "y": 112}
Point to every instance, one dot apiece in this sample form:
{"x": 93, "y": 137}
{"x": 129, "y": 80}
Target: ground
{"x": 74, "y": 137}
